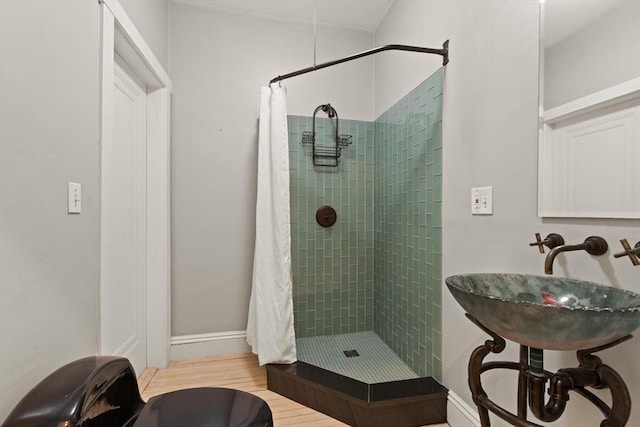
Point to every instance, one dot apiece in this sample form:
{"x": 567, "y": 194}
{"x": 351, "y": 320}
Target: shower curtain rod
{"x": 444, "y": 52}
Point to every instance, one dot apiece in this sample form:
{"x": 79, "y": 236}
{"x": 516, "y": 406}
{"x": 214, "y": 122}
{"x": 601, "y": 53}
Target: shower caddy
{"x": 326, "y": 155}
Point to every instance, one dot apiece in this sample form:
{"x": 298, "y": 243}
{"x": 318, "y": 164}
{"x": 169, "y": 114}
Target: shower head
{"x": 327, "y": 108}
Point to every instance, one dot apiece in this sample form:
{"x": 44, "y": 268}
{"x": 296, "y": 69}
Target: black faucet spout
{"x": 594, "y": 245}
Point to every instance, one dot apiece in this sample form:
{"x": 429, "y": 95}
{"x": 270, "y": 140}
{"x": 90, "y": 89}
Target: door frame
{"x": 120, "y": 36}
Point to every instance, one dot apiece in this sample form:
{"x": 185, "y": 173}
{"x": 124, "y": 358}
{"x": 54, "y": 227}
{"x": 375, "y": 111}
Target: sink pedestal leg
{"x": 590, "y": 373}
{"x": 620, "y": 410}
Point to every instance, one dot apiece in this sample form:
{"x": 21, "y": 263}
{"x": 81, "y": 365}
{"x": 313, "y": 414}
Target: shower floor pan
{"x": 357, "y": 379}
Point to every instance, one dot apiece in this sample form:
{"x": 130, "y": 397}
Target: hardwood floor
{"x": 240, "y": 372}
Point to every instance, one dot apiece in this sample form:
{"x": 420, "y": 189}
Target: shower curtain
{"x": 270, "y": 330}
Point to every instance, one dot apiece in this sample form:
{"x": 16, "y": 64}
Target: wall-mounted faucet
{"x": 632, "y": 253}
{"x": 594, "y": 245}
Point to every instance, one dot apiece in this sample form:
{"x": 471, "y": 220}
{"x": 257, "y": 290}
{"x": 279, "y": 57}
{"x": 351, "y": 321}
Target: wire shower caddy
{"x": 326, "y": 155}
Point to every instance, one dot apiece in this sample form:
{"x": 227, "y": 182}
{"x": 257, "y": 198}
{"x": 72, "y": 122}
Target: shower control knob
{"x": 326, "y": 216}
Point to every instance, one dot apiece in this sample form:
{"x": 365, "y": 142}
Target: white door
{"x": 123, "y": 223}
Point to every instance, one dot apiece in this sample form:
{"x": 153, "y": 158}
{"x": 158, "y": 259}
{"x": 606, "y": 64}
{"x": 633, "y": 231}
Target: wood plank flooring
{"x": 240, "y": 372}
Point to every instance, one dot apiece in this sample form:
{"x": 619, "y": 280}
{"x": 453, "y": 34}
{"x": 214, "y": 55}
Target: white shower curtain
{"x": 270, "y": 330}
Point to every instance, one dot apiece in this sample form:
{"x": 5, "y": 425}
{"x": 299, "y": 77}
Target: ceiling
{"x": 358, "y": 14}
{"x": 562, "y": 17}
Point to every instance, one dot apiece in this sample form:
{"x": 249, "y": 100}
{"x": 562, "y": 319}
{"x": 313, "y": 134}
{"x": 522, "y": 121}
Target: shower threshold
{"x": 356, "y": 379}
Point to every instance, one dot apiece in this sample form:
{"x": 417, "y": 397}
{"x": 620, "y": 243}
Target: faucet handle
{"x": 551, "y": 241}
{"x": 628, "y": 251}
{"x": 539, "y": 243}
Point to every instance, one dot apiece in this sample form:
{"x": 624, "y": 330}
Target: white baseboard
{"x": 206, "y": 345}
{"x": 459, "y": 413}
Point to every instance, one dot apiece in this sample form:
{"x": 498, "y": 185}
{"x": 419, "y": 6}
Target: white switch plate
{"x": 482, "y": 201}
{"x": 74, "y": 198}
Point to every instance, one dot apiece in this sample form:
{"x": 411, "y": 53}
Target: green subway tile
{"x": 370, "y": 269}
{"x": 437, "y": 162}
{"x": 404, "y": 159}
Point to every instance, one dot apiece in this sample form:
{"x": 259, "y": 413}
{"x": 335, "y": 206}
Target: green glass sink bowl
{"x": 547, "y": 312}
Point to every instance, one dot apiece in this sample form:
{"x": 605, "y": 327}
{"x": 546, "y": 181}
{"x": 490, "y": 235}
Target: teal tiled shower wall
{"x": 408, "y": 227}
{"x": 384, "y": 254}
{"x": 332, "y": 267}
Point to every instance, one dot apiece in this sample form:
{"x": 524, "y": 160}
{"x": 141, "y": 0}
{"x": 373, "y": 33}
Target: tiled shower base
{"x": 374, "y": 363}
{"x": 357, "y": 379}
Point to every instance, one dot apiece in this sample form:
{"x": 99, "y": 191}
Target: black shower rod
{"x": 444, "y": 52}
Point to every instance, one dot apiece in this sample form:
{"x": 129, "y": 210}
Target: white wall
{"x": 151, "y": 18}
{"x": 49, "y": 99}
{"x": 218, "y": 62}
{"x": 490, "y": 138}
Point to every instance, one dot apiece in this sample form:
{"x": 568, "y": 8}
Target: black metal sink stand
{"x": 532, "y": 380}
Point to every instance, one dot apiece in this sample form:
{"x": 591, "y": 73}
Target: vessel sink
{"x": 547, "y": 312}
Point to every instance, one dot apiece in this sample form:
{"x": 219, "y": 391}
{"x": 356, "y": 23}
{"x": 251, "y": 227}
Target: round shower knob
{"x": 326, "y": 216}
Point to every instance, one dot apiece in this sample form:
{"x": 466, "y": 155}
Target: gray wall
{"x": 603, "y": 54}
{"x": 490, "y": 138}
{"x": 151, "y": 18}
{"x": 48, "y": 136}
{"x": 49, "y": 101}
{"x": 218, "y": 64}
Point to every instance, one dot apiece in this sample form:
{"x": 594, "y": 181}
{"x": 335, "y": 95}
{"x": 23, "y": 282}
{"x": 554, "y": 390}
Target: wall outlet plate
{"x": 482, "y": 201}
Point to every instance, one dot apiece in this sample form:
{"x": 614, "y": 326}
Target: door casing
{"x": 119, "y": 36}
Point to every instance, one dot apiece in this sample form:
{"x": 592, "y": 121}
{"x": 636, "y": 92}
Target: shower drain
{"x": 351, "y": 353}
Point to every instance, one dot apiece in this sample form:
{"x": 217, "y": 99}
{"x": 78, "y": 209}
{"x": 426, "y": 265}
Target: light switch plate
{"x": 482, "y": 201}
{"x": 74, "y": 198}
